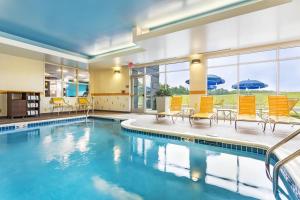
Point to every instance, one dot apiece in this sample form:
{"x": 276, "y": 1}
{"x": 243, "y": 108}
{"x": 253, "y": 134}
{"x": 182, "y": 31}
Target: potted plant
{"x": 163, "y": 98}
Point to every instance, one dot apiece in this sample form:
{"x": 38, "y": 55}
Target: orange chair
{"x": 292, "y": 103}
{"x": 247, "y": 111}
{"x": 279, "y": 111}
{"x": 205, "y": 111}
{"x": 175, "y": 109}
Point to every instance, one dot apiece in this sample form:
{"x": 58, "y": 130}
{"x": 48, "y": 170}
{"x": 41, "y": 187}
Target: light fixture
{"x": 196, "y": 61}
{"x": 117, "y": 71}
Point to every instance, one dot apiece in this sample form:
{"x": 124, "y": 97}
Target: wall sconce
{"x": 196, "y": 61}
{"x": 117, "y": 71}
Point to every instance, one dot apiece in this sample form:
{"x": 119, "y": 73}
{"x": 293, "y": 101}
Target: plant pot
{"x": 163, "y": 104}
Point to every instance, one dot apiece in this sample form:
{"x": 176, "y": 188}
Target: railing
{"x": 280, "y": 163}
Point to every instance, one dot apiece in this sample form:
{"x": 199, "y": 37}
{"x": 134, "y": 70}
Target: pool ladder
{"x": 280, "y": 163}
{"x": 92, "y": 107}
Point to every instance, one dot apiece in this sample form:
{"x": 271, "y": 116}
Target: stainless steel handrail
{"x": 270, "y": 151}
{"x": 87, "y": 113}
{"x": 277, "y": 167}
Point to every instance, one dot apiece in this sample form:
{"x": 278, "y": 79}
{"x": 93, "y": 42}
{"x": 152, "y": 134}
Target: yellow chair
{"x": 279, "y": 111}
{"x": 220, "y": 103}
{"x": 83, "y": 103}
{"x": 175, "y": 109}
{"x": 292, "y": 103}
{"x": 60, "y": 103}
{"x": 247, "y": 111}
{"x": 205, "y": 111}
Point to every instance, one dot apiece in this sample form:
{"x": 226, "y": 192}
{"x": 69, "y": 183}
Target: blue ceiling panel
{"x": 72, "y": 25}
{"x": 81, "y": 26}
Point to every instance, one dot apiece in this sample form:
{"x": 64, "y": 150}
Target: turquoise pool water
{"x": 98, "y": 160}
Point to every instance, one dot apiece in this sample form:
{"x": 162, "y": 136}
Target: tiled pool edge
{"x": 212, "y": 141}
{"x": 38, "y": 123}
{"x": 4, "y": 128}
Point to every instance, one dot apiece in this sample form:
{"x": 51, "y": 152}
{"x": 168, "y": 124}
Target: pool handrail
{"x": 277, "y": 167}
{"x": 280, "y": 163}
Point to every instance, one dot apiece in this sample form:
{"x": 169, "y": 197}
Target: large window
{"x": 289, "y": 74}
{"x": 264, "y": 73}
{"x": 65, "y": 81}
{"x": 224, "y": 94}
{"x": 175, "y": 76}
{"x": 53, "y": 81}
{"x": 69, "y": 85}
{"x": 83, "y": 83}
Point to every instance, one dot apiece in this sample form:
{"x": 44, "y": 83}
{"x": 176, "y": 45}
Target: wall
{"x": 19, "y": 74}
{"x": 198, "y": 83}
{"x": 110, "y": 90}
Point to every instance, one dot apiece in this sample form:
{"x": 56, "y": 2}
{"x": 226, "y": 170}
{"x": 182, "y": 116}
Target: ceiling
{"x": 273, "y": 25}
{"x": 90, "y": 27}
{"x": 101, "y": 32}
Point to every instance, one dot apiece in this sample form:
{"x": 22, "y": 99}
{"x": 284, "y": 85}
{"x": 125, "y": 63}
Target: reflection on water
{"x": 117, "y": 154}
{"x": 113, "y": 190}
{"x": 99, "y": 161}
{"x": 60, "y": 145}
{"x": 228, "y": 171}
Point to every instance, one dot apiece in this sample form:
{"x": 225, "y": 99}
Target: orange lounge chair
{"x": 175, "y": 109}
{"x": 279, "y": 111}
{"x": 247, "y": 111}
{"x": 292, "y": 103}
{"x": 206, "y": 110}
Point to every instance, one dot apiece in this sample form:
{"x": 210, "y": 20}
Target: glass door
{"x": 152, "y": 86}
{"x": 138, "y": 92}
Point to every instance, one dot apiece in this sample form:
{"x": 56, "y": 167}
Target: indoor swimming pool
{"x": 99, "y": 160}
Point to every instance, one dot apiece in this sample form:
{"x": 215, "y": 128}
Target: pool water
{"x": 99, "y": 160}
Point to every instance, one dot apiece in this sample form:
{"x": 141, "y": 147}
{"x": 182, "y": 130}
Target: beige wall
{"x": 19, "y": 74}
{"x": 106, "y": 81}
{"x": 110, "y": 90}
